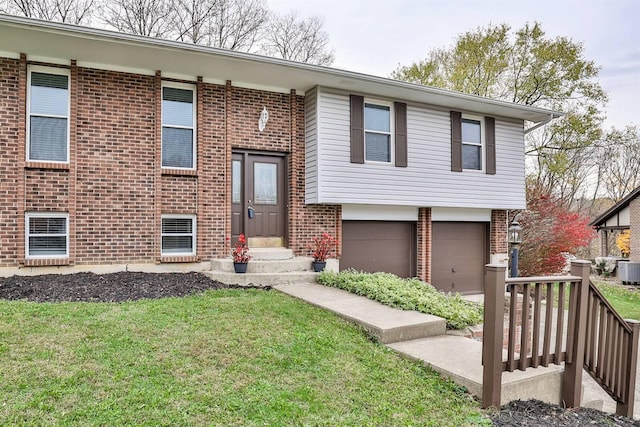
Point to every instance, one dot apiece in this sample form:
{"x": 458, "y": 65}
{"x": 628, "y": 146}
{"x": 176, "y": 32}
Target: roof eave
{"x": 263, "y": 70}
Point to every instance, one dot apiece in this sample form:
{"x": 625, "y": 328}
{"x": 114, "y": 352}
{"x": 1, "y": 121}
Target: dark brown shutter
{"x": 401, "y": 134}
{"x": 456, "y": 141}
{"x": 490, "y": 139}
{"x": 357, "y": 128}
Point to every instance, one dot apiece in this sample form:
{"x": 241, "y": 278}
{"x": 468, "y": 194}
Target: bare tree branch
{"x": 143, "y": 17}
{"x": 77, "y": 12}
{"x": 237, "y": 24}
{"x": 301, "y": 40}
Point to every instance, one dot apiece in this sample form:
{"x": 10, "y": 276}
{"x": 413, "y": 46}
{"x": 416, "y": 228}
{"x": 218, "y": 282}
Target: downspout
{"x": 551, "y": 117}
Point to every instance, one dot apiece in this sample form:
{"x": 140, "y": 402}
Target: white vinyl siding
{"x": 311, "y": 145}
{"x": 48, "y": 117}
{"x": 178, "y": 235}
{"x": 47, "y": 235}
{"x": 428, "y": 179}
{"x": 178, "y": 127}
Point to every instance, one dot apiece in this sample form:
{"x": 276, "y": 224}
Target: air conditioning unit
{"x": 629, "y": 272}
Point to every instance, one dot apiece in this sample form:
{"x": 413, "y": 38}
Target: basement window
{"x": 47, "y": 235}
{"x": 178, "y": 235}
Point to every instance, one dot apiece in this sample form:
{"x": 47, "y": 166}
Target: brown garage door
{"x": 459, "y": 253}
{"x": 379, "y": 246}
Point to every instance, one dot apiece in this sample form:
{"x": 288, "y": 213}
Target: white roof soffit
{"x": 96, "y": 46}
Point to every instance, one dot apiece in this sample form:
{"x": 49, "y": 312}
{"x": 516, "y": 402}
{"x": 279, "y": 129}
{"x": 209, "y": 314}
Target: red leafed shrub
{"x": 322, "y": 247}
{"x": 549, "y": 232}
{"x": 240, "y": 251}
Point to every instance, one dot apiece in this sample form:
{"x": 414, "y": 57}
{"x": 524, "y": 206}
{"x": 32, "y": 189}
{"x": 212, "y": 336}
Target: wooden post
{"x": 572, "y": 378}
{"x": 626, "y": 408}
{"x": 494, "y": 289}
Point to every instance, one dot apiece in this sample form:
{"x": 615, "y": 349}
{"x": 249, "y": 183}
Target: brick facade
{"x": 424, "y": 244}
{"x": 499, "y": 229}
{"x": 10, "y": 132}
{"x": 114, "y": 188}
{"x": 634, "y": 221}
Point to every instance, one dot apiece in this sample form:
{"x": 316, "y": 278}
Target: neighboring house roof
{"x": 601, "y": 221}
{"x": 91, "y": 47}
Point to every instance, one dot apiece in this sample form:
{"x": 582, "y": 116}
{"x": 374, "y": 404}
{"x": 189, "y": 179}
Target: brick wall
{"x": 424, "y": 244}
{"x": 499, "y": 228}
{"x": 115, "y": 167}
{"x": 634, "y": 221}
{"x": 113, "y": 187}
{"x": 9, "y": 160}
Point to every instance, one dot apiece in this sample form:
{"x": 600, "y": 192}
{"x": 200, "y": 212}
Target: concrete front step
{"x": 260, "y": 254}
{"x": 263, "y": 279}
{"x": 460, "y": 359}
{"x": 276, "y": 266}
{"x": 387, "y": 324}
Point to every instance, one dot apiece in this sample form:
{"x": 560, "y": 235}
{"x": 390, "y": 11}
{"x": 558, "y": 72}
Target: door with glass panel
{"x": 258, "y": 198}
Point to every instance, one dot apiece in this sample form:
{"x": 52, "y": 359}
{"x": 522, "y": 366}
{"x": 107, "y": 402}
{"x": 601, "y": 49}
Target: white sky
{"x": 374, "y": 36}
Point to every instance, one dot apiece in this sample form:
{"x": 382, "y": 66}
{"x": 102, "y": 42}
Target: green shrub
{"x": 407, "y": 294}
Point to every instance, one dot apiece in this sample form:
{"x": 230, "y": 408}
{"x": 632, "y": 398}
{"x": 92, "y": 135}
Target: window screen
{"x": 177, "y": 236}
{"x": 377, "y": 123}
{"x": 47, "y": 236}
{"x": 177, "y": 128}
{"x": 48, "y": 117}
{"x": 471, "y": 144}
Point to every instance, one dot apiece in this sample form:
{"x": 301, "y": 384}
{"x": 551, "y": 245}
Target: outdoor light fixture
{"x": 515, "y": 233}
{"x": 515, "y": 238}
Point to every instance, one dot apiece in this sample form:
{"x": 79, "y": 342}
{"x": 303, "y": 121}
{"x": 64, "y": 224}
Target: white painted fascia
{"x": 460, "y": 214}
{"x": 379, "y": 213}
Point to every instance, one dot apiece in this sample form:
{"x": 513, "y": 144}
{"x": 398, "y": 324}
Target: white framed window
{"x": 378, "y": 131}
{"x": 47, "y": 235}
{"x": 472, "y": 143}
{"x": 178, "y": 235}
{"x": 178, "y": 126}
{"x": 48, "y": 114}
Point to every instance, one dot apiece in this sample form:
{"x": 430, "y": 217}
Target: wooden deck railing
{"x": 589, "y": 334}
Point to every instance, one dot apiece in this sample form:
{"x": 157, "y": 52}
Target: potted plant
{"x": 322, "y": 246}
{"x": 240, "y": 254}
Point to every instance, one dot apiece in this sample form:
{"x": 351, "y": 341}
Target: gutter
{"x": 547, "y": 120}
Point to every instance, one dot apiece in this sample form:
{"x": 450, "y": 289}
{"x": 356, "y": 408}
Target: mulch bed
{"x": 536, "y": 413}
{"x": 114, "y": 287}
{"x": 127, "y": 286}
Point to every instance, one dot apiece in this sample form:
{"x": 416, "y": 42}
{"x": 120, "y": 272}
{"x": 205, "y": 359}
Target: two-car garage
{"x": 459, "y": 250}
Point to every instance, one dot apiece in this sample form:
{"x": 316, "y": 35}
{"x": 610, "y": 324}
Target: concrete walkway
{"x": 423, "y": 337}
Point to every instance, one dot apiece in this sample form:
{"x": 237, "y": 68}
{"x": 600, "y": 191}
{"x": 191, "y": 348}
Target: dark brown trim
{"x": 401, "y": 133}
{"x": 357, "y": 128}
{"x": 602, "y": 219}
{"x": 490, "y": 140}
{"x": 456, "y": 141}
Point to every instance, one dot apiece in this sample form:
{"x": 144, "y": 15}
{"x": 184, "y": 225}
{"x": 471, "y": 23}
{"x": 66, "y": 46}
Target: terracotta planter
{"x": 240, "y": 267}
{"x": 319, "y": 266}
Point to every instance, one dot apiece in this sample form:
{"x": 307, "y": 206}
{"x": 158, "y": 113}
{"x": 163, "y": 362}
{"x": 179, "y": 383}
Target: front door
{"x": 258, "y": 198}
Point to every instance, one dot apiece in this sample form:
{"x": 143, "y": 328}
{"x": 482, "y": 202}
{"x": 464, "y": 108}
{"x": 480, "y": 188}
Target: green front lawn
{"x": 226, "y": 358}
{"x": 626, "y": 300}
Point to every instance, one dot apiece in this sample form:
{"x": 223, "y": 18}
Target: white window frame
{"x": 47, "y": 70}
{"x": 194, "y": 234}
{"x": 482, "y": 145}
{"x": 28, "y": 216}
{"x": 391, "y": 132}
{"x": 193, "y": 89}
